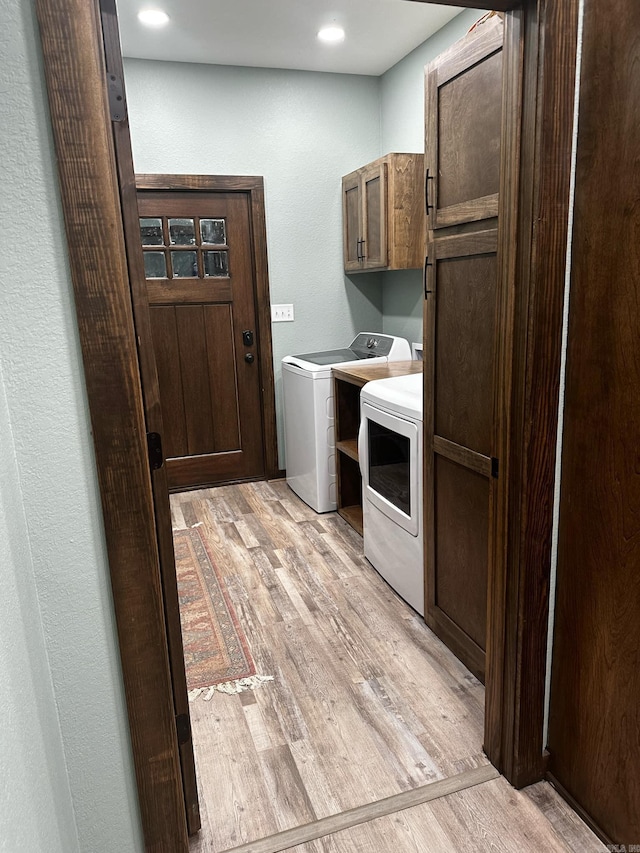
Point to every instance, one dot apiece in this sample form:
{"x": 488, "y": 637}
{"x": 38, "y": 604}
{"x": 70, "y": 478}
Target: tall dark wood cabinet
{"x": 463, "y": 113}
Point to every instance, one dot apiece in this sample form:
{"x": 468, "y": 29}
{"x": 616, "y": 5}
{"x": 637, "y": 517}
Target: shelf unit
{"x": 347, "y": 384}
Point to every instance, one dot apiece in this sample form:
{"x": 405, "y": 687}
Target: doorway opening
{"x": 90, "y": 183}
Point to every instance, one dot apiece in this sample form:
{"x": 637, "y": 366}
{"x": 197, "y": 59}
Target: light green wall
{"x": 302, "y": 131}
{"x": 402, "y": 129}
{"x": 66, "y": 775}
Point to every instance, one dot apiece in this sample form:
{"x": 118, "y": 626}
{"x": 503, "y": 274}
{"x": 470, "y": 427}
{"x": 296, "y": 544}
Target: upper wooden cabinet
{"x": 463, "y": 108}
{"x": 383, "y": 214}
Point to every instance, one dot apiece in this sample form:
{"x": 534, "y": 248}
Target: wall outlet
{"x": 281, "y": 313}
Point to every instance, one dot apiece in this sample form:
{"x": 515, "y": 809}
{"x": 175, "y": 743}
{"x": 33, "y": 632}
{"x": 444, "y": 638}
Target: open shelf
{"x": 348, "y": 446}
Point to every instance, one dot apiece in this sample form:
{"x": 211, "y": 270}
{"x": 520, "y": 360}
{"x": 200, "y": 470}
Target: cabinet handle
{"x": 427, "y": 264}
{"x": 427, "y": 178}
{"x": 362, "y": 256}
{"x": 358, "y": 255}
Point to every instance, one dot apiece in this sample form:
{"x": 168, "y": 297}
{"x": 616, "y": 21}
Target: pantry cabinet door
{"x": 463, "y": 108}
{"x": 460, "y": 284}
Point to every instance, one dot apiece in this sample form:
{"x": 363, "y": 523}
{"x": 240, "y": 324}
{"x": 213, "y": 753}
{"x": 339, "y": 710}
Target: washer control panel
{"x": 368, "y": 345}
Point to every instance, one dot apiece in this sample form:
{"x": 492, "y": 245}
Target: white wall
{"x": 36, "y": 810}
{"x": 402, "y": 110}
{"x": 302, "y": 131}
{"x": 67, "y": 777}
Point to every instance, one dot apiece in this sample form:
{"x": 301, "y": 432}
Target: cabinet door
{"x": 374, "y": 202}
{"x": 463, "y": 109}
{"x": 458, "y": 418}
{"x": 352, "y": 221}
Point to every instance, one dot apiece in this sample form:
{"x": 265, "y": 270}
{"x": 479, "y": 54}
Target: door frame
{"x": 253, "y": 187}
{"x": 536, "y": 167}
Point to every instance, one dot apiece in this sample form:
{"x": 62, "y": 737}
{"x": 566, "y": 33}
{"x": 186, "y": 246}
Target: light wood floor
{"x": 366, "y": 702}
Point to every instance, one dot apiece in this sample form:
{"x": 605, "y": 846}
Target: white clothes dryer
{"x": 310, "y": 444}
{"x": 390, "y": 455}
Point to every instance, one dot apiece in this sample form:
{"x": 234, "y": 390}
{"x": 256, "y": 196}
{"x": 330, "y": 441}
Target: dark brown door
{"x": 463, "y": 110}
{"x": 460, "y": 328}
{"x": 200, "y": 287}
{"x": 594, "y": 727}
{"x": 462, "y": 162}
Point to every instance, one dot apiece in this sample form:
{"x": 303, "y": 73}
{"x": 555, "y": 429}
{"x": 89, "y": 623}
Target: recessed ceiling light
{"x": 331, "y": 34}
{"x": 153, "y": 17}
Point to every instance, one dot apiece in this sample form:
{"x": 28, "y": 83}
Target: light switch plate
{"x": 281, "y": 313}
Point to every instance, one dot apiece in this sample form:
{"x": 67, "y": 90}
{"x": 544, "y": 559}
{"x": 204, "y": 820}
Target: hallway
{"x": 366, "y": 704}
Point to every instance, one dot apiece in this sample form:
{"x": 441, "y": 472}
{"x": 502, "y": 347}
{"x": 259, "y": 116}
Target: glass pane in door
{"x": 182, "y": 232}
{"x": 216, "y": 264}
{"x": 155, "y": 265}
{"x": 185, "y": 264}
{"x": 213, "y": 231}
{"x": 151, "y": 232}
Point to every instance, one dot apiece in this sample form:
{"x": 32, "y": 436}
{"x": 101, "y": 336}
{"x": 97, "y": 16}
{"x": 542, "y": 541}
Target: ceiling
{"x": 282, "y": 33}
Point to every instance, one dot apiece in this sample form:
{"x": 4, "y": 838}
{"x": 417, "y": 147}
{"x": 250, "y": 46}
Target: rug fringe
{"x": 237, "y": 686}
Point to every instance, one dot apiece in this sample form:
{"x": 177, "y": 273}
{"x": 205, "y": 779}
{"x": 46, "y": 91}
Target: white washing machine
{"x": 390, "y": 456}
{"x": 310, "y": 444}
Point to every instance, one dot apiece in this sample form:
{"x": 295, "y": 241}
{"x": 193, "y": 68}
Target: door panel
{"x": 201, "y": 407}
{"x": 223, "y": 387}
{"x": 167, "y": 352}
{"x": 459, "y": 376}
{"x": 374, "y": 183}
{"x": 594, "y": 724}
{"x": 465, "y": 319}
{"x": 473, "y": 171}
{"x": 463, "y": 110}
{"x": 462, "y": 501}
{"x": 352, "y": 220}
{"x": 210, "y": 393}
{"x": 194, "y": 369}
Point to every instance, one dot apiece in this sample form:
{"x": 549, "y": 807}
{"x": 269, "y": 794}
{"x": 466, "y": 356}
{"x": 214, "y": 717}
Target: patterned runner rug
{"x": 216, "y": 652}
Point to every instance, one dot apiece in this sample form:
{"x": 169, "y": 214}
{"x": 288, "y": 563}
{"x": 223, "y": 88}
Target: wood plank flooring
{"x": 366, "y": 702}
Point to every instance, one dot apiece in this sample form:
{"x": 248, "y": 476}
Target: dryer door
{"x": 389, "y": 461}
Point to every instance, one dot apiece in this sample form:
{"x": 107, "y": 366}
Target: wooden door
{"x": 374, "y": 216}
{"x": 462, "y": 162}
{"x": 200, "y": 289}
{"x": 352, "y": 221}
{"x": 463, "y": 109}
{"x": 460, "y": 329}
{"x": 594, "y": 726}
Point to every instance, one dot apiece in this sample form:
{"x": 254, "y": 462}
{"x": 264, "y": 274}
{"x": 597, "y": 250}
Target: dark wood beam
{"x": 497, "y": 5}
{"x": 533, "y": 238}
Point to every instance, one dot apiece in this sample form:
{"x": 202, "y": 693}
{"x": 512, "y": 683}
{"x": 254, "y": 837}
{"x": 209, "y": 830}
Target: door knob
{"x": 249, "y": 357}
